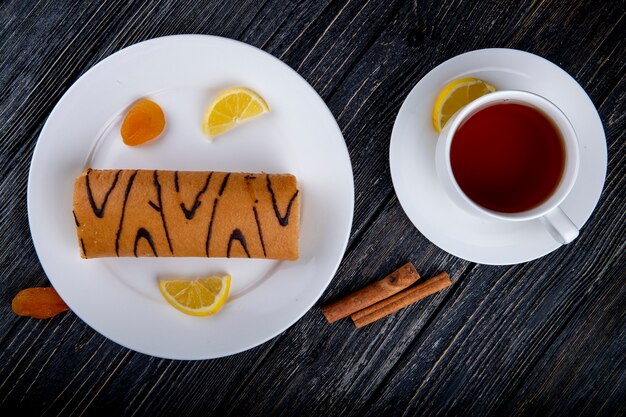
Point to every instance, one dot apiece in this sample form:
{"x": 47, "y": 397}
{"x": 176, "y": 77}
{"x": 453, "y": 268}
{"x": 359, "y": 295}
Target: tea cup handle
{"x": 561, "y": 227}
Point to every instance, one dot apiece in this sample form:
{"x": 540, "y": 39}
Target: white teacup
{"x": 549, "y": 212}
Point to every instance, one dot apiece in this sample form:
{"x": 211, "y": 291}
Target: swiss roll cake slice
{"x": 186, "y": 214}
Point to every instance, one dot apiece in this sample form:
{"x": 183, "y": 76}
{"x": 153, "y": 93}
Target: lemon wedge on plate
{"x": 456, "y": 95}
{"x": 196, "y": 297}
{"x": 231, "y": 107}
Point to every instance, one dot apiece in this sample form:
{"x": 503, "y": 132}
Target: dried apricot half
{"x": 38, "y": 302}
{"x": 143, "y": 122}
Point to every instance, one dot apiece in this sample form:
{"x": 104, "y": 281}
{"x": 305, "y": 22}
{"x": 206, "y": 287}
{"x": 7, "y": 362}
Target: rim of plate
{"x": 210, "y": 38}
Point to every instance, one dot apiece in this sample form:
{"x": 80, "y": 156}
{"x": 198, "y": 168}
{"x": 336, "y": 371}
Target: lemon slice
{"x": 198, "y": 297}
{"x": 456, "y": 95}
{"x": 231, "y": 107}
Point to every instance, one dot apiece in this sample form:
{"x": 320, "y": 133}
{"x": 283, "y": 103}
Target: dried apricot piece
{"x": 143, "y": 122}
{"x": 40, "y": 303}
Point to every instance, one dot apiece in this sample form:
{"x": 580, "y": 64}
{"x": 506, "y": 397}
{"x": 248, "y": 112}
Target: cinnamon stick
{"x": 401, "y": 300}
{"x": 371, "y": 294}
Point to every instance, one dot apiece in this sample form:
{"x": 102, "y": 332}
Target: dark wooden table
{"x": 543, "y": 338}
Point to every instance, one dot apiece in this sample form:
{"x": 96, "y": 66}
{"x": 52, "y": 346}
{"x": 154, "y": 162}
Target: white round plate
{"x": 119, "y": 297}
{"x": 412, "y": 158}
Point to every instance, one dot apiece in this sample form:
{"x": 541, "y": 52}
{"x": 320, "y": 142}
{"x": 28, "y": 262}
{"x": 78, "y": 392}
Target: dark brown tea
{"x": 508, "y": 157}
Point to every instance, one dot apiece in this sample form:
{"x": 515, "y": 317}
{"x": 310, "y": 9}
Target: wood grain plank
{"x": 363, "y": 57}
{"x": 184, "y": 384}
{"x": 490, "y": 370}
{"x": 10, "y": 128}
{"x": 132, "y": 32}
{"x": 563, "y": 371}
{"x": 323, "y": 360}
{"x": 205, "y": 373}
{"x": 530, "y": 311}
{"x": 31, "y": 355}
{"x": 378, "y": 84}
{"x": 281, "y": 350}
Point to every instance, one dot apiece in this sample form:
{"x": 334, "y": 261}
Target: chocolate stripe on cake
{"x": 119, "y": 229}
{"x": 157, "y": 185}
{"x": 144, "y": 234}
{"x": 224, "y": 182}
{"x": 258, "y": 225}
{"x": 189, "y": 213}
{"x": 208, "y": 238}
{"x": 99, "y": 211}
{"x": 238, "y": 236}
{"x": 283, "y": 220}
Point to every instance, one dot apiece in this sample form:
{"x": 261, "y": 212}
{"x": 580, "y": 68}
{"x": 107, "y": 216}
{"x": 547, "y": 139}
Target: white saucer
{"x": 412, "y": 158}
{"x": 119, "y": 297}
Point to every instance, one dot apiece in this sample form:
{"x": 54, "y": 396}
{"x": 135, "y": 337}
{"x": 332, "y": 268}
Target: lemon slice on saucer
{"x": 231, "y": 107}
{"x": 456, "y": 95}
{"x": 197, "y": 297}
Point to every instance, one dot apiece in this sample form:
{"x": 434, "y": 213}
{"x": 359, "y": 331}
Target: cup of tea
{"x": 513, "y": 156}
